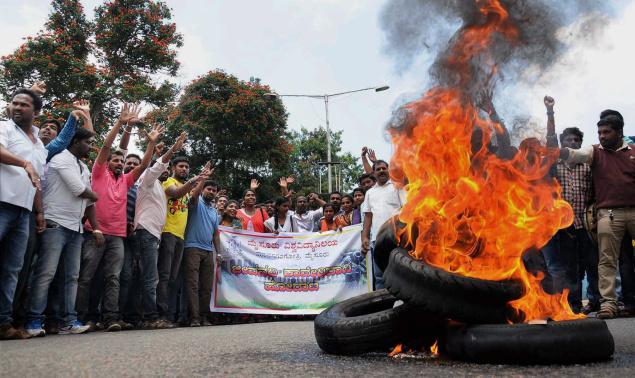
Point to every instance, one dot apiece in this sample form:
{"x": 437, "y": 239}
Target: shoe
{"x": 92, "y": 326}
{"x": 606, "y": 313}
{"x": 165, "y": 324}
{"x": 206, "y": 323}
{"x": 74, "y": 328}
{"x": 125, "y": 326}
{"x": 195, "y": 324}
{"x": 34, "y": 328}
{"x": 589, "y": 308}
{"x": 52, "y": 329}
{"x": 626, "y": 311}
{"x": 7, "y": 332}
{"x": 150, "y": 324}
{"x": 113, "y": 327}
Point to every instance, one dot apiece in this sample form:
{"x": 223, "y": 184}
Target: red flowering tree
{"x": 234, "y": 124}
{"x": 114, "y": 58}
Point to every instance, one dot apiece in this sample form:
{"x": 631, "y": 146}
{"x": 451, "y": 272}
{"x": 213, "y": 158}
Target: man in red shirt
{"x": 612, "y": 164}
{"x": 111, "y": 186}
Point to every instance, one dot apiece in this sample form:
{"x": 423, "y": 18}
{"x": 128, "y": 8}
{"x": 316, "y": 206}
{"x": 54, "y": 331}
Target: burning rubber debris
{"x": 474, "y": 208}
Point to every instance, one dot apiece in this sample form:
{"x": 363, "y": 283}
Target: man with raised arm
{"x": 613, "y": 167}
{"x": 201, "y": 241}
{"x": 570, "y": 252}
{"x": 111, "y": 185}
{"x": 177, "y": 190}
{"x": 149, "y": 219}
{"x": 382, "y": 201}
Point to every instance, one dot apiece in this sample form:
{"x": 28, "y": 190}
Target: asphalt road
{"x": 261, "y": 349}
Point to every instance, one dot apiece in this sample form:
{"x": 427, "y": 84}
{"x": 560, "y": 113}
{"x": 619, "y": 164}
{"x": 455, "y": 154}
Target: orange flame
{"x": 434, "y": 349}
{"x": 469, "y": 212}
{"x": 398, "y": 349}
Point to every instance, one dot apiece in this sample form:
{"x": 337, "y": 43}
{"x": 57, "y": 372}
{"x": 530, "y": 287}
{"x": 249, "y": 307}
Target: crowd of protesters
{"x": 130, "y": 242}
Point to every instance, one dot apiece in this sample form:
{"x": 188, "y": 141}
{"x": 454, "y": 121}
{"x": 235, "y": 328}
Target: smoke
{"x": 546, "y": 29}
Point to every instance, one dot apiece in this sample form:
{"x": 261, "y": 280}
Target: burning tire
{"x": 562, "y": 342}
{"x": 465, "y": 299}
{"x": 369, "y": 322}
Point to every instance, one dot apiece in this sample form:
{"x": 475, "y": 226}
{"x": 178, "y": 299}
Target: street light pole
{"x": 326, "y": 97}
{"x": 328, "y": 144}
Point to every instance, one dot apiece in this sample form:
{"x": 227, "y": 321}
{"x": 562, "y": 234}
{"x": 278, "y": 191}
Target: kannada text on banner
{"x": 292, "y": 274}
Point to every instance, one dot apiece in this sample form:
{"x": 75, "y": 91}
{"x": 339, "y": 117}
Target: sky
{"x": 328, "y": 46}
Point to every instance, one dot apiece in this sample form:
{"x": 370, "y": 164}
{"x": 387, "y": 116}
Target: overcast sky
{"x": 327, "y": 46}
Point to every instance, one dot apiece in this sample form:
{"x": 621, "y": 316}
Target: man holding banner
{"x": 201, "y": 240}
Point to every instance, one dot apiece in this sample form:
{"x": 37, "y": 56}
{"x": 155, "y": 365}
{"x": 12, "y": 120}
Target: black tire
{"x": 370, "y": 323}
{"x": 563, "y": 342}
{"x": 386, "y": 241}
{"x": 465, "y": 299}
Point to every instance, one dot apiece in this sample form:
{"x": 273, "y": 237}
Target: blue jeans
{"x": 378, "y": 274}
{"x": 110, "y": 256}
{"x": 570, "y": 255}
{"x": 57, "y": 243}
{"x": 14, "y": 234}
{"x": 145, "y": 247}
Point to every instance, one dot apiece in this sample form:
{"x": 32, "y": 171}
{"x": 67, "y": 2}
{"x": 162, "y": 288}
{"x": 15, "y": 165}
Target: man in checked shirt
{"x": 571, "y": 254}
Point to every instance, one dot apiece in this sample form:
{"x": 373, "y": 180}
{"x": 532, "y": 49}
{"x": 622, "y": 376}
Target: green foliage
{"x": 134, "y": 40}
{"x": 232, "y": 123}
{"x": 309, "y": 148}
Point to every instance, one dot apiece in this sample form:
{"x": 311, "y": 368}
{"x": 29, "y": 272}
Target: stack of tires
{"x": 468, "y": 317}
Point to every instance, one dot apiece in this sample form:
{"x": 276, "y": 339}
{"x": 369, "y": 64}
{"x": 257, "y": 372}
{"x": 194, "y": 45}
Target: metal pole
{"x": 328, "y": 143}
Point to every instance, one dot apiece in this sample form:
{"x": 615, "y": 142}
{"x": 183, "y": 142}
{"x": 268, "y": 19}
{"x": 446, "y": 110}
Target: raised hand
{"x": 82, "y": 110}
{"x": 39, "y": 88}
{"x": 155, "y": 133}
{"x": 282, "y": 182}
{"x": 549, "y": 102}
{"x": 179, "y": 141}
{"x": 371, "y": 155}
{"x": 83, "y": 105}
{"x": 129, "y": 112}
{"x": 364, "y": 150}
{"x": 158, "y": 149}
{"x": 207, "y": 170}
{"x": 254, "y": 184}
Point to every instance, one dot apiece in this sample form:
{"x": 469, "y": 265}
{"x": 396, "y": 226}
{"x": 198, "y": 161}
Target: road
{"x": 259, "y": 349}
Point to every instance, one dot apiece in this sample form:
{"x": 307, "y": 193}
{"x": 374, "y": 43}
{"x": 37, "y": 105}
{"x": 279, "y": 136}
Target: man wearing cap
{"x": 613, "y": 167}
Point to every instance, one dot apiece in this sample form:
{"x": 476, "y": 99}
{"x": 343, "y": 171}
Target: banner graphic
{"x": 289, "y": 273}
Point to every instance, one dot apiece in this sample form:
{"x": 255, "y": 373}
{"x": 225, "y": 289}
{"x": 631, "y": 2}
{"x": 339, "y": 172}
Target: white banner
{"x": 289, "y": 273}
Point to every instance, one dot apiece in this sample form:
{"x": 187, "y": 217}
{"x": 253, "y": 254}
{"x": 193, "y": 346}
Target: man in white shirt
{"x": 382, "y": 201}
{"x": 65, "y": 198}
{"x": 304, "y": 218}
{"x": 22, "y": 156}
{"x": 149, "y": 219}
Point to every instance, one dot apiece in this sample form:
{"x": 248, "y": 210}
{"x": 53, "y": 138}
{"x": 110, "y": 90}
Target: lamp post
{"x": 325, "y": 98}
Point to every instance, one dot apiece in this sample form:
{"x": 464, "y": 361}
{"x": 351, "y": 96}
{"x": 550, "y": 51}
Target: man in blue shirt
{"x": 201, "y": 241}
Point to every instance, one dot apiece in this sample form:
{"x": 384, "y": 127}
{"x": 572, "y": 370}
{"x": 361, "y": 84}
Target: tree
{"x": 309, "y": 148}
{"x": 232, "y": 123}
{"x": 134, "y": 41}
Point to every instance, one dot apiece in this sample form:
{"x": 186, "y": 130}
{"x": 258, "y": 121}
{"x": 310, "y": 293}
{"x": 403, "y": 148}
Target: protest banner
{"x": 289, "y": 273}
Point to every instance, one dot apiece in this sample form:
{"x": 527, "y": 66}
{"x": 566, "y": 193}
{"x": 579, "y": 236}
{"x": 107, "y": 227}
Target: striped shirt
{"x": 577, "y": 188}
{"x": 130, "y": 204}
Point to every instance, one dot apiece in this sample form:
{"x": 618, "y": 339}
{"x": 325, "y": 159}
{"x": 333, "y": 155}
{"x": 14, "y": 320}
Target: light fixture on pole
{"x": 325, "y": 98}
